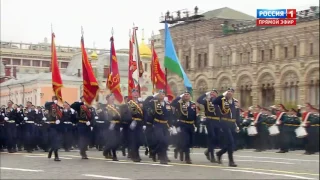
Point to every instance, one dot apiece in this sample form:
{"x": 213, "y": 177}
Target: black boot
{"x": 206, "y": 153}
{"x": 56, "y": 156}
{"x": 50, "y": 153}
{"x": 212, "y": 158}
{"x": 83, "y": 154}
{"x": 219, "y": 157}
{"x": 188, "y": 159}
{"x": 123, "y": 151}
{"x": 231, "y": 161}
{"x": 175, "y": 153}
{"x": 114, "y": 155}
{"x": 181, "y": 156}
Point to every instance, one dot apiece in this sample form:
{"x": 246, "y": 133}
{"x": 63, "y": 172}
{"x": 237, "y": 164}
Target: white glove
{"x": 91, "y": 128}
{"x": 17, "y": 124}
{"x": 121, "y": 129}
{"x": 44, "y": 118}
{"x": 174, "y": 130}
{"x": 88, "y": 123}
{"x": 25, "y": 118}
{"x": 144, "y": 127}
{"x": 237, "y": 130}
{"x": 37, "y": 111}
{"x": 72, "y": 111}
{"x": 55, "y": 101}
{"x": 205, "y": 130}
{"x": 133, "y": 125}
{"x": 178, "y": 129}
{"x": 80, "y": 101}
{"x": 111, "y": 126}
{"x": 156, "y": 94}
{"x": 195, "y": 129}
{"x": 18, "y": 109}
{"x": 201, "y": 129}
{"x": 181, "y": 95}
{"x": 278, "y": 122}
{"x": 299, "y": 106}
{"x": 140, "y": 99}
{"x": 6, "y": 118}
{"x": 58, "y": 121}
{"x": 245, "y": 120}
{"x": 207, "y": 93}
{"x": 166, "y": 99}
{"x": 2, "y": 114}
{"x": 96, "y": 117}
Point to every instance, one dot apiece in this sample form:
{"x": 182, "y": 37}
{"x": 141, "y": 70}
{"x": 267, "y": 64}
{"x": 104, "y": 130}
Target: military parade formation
{"x": 156, "y": 123}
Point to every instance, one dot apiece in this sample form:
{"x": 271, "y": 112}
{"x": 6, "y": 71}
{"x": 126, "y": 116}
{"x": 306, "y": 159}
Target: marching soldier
{"x": 54, "y": 117}
{"x": 187, "y": 119}
{"x": 84, "y": 117}
{"x": 126, "y": 119}
{"x": 11, "y": 128}
{"x": 136, "y": 125}
{"x": 281, "y": 121}
{"x": 211, "y": 122}
{"x": 66, "y": 120}
{"x": 226, "y": 106}
{"x": 29, "y": 127}
{"x": 113, "y": 141}
{"x": 2, "y": 129}
{"x": 20, "y": 127}
{"x": 161, "y": 113}
{"x": 100, "y": 126}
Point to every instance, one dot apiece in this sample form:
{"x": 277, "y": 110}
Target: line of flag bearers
{"x": 156, "y": 123}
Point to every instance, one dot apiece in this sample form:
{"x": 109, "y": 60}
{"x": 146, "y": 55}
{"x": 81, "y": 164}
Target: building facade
{"x": 265, "y": 67}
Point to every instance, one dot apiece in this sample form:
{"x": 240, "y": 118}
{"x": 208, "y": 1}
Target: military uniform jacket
{"x": 136, "y": 110}
{"x": 161, "y": 112}
{"x": 186, "y": 112}
{"x": 101, "y": 117}
{"x": 54, "y": 111}
{"x": 30, "y": 114}
{"x": 113, "y": 113}
{"x": 227, "y": 110}
{"x": 11, "y": 114}
{"x": 209, "y": 107}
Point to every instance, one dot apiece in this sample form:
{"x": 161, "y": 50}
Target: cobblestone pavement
{"x": 251, "y": 165}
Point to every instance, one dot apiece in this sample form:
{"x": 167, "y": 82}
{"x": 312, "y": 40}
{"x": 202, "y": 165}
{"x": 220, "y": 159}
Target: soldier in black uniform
{"x": 113, "y": 138}
{"x": 100, "y": 126}
{"x": 29, "y": 127}
{"x": 20, "y": 127}
{"x": 212, "y": 122}
{"x": 11, "y": 128}
{"x": 54, "y": 118}
{"x": 84, "y": 117}
{"x": 126, "y": 119}
{"x": 227, "y": 109}
{"x": 136, "y": 131}
{"x": 67, "y": 126}
{"x": 188, "y": 118}
{"x": 2, "y": 129}
{"x": 161, "y": 113}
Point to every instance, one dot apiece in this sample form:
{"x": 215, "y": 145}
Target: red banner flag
{"x": 132, "y": 68}
{"x": 158, "y": 77}
{"x": 114, "y": 77}
{"x": 90, "y": 83}
{"x": 56, "y": 76}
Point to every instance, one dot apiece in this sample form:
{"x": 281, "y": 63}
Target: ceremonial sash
{"x": 85, "y": 108}
{"x": 114, "y": 109}
{"x": 256, "y": 117}
{"x": 305, "y": 116}
{"x": 279, "y": 115}
{"x": 59, "y": 113}
{"x": 138, "y": 107}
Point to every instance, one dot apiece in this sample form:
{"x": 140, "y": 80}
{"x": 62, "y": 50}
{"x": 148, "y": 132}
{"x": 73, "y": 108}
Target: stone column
{"x": 180, "y": 54}
{"x": 255, "y": 95}
{"x": 211, "y": 55}
{"x": 303, "y": 93}
{"x": 233, "y": 55}
{"x": 302, "y": 50}
{"x": 278, "y": 92}
{"x": 192, "y": 58}
{"x": 254, "y": 54}
{"x": 277, "y": 51}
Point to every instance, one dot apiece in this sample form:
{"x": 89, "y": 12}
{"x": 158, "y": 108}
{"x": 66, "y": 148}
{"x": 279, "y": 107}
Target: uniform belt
{"x": 52, "y": 122}
{"x": 187, "y": 122}
{"x": 115, "y": 122}
{"x": 67, "y": 122}
{"x": 212, "y": 117}
{"x": 11, "y": 121}
{"x": 100, "y": 122}
{"x": 228, "y": 119}
{"x": 137, "y": 119}
{"x": 315, "y": 125}
{"x": 291, "y": 125}
{"x": 30, "y": 122}
{"x": 161, "y": 121}
{"x": 149, "y": 123}
{"x": 82, "y": 121}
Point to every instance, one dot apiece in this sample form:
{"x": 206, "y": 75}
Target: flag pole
{"x": 152, "y": 63}
{"x": 165, "y": 68}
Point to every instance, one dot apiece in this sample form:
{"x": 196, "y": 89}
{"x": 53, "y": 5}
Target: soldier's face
{"x": 82, "y": 99}
{"x": 29, "y": 105}
{"x": 135, "y": 94}
{"x": 65, "y": 105}
{"x": 9, "y": 104}
{"x": 186, "y": 96}
{"x": 110, "y": 99}
{"x": 213, "y": 94}
{"x": 229, "y": 94}
{"x": 161, "y": 96}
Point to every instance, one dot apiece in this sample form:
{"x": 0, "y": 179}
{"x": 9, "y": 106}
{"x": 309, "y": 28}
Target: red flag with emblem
{"x": 90, "y": 83}
{"x": 132, "y": 68}
{"x": 158, "y": 77}
{"x": 56, "y": 76}
{"x": 114, "y": 77}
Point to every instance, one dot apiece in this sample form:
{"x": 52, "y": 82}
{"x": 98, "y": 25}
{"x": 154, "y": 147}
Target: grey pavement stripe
{"x": 140, "y": 163}
{"x": 19, "y": 169}
{"x": 105, "y": 177}
{"x": 43, "y": 156}
{"x": 271, "y": 174}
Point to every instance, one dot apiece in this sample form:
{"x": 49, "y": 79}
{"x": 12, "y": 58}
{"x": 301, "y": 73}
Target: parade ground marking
{"x": 44, "y": 156}
{"x": 104, "y": 177}
{"x": 274, "y": 162}
{"x": 19, "y": 169}
{"x": 139, "y": 163}
{"x": 270, "y": 174}
{"x": 198, "y": 165}
{"x": 275, "y": 158}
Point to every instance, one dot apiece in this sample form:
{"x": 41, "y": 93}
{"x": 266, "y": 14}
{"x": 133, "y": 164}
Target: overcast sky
{"x": 29, "y": 20}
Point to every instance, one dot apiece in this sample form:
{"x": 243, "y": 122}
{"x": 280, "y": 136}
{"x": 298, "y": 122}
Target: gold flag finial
{"x": 142, "y": 34}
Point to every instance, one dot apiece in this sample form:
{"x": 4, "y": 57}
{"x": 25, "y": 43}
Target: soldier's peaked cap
{"x": 231, "y": 89}
{"x": 134, "y": 90}
{"x": 10, "y": 102}
{"x": 214, "y": 90}
{"x": 161, "y": 91}
{"x": 29, "y": 102}
{"x": 186, "y": 92}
